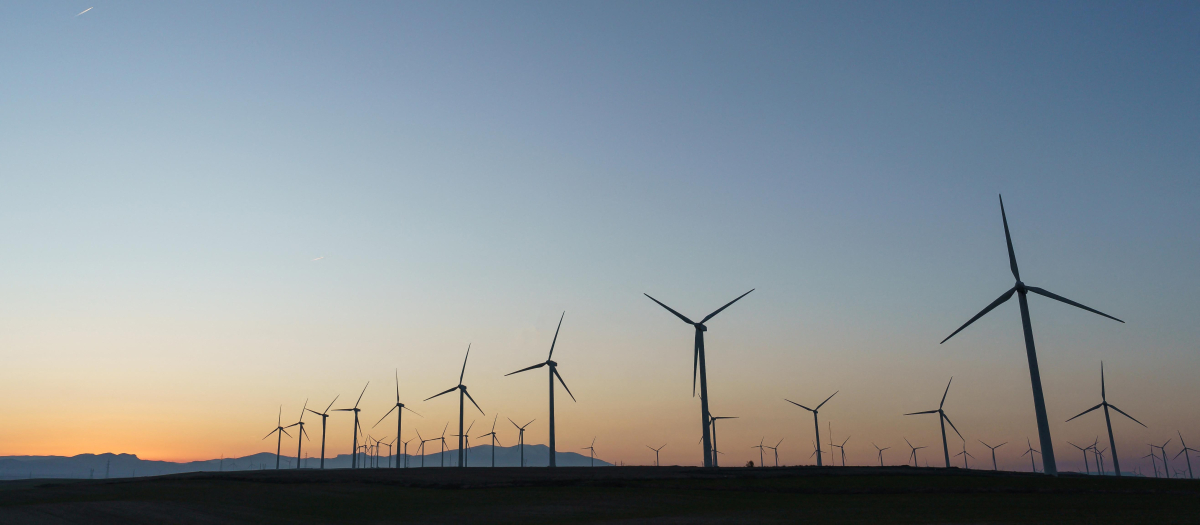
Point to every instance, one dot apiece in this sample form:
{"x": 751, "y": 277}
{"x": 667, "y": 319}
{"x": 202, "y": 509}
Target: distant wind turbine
{"x": 1084, "y": 450}
{"x": 698, "y": 365}
{"x": 1185, "y": 454}
{"x": 1039, "y": 403}
{"x": 442, "y": 453}
{"x": 466, "y": 458}
{"x": 592, "y": 451}
{"x": 1163, "y": 449}
{"x": 775, "y": 449}
{"x": 324, "y": 416}
{"x": 301, "y": 435}
{"x": 993, "y": 449}
{"x": 399, "y": 408}
{"x": 880, "y": 452}
{"x": 421, "y": 447}
{"x": 714, "y": 436}
{"x": 521, "y": 437}
{"x": 760, "y": 448}
{"x": 816, "y": 424}
{"x": 842, "y": 448}
{"x": 913, "y": 454}
{"x": 279, "y": 431}
{"x": 357, "y": 429}
{"x": 965, "y": 455}
{"x": 462, "y": 391}
{"x": 494, "y": 439}
{"x": 656, "y": 452}
{"x": 943, "y": 419}
{"x": 1112, "y": 444}
{"x": 1030, "y": 453}
{"x": 553, "y": 373}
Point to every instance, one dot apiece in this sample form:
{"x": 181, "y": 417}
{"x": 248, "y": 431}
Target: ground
{"x": 604, "y": 495}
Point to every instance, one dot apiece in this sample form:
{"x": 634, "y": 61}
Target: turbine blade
{"x": 1102, "y": 396}
{"x": 335, "y": 398}
{"x": 952, "y": 426}
{"x": 827, "y": 400}
{"x": 443, "y": 393}
{"x": 1012, "y": 257}
{"x": 563, "y": 383}
{"x": 946, "y": 392}
{"x": 360, "y": 395}
{"x": 285, "y": 432}
{"x": 389, "y": 412}
{"x": 269, "y": 433}
{"x": 317, "y": 413}
{"x": 513, "y": 422}
{"x": 291, "y": 425}
{"x": 539, "y": 365}
{"x": 1045, "y": 293}
{"x": 560, "y": 318}
{"x": 464, "y": 369}
{"x": 473, "y": 401}
{"x": 1131, "y": 417}
{"x": 1000, "y": 300}
{"x": 413, "y": 411}
{"x": 677, "y": 314}
{"x": 710, "y": 316}
{"x": 925, "y": 412}
{"x": 1086, "y": 411}
{"x": 695, "y": 360}
{"x": 397, "y": 385}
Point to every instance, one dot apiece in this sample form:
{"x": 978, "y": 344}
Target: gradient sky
{"x": 172, "y": 172}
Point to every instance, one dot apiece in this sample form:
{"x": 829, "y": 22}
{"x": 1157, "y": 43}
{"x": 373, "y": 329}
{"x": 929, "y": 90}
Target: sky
{"x": 214, "y": 210}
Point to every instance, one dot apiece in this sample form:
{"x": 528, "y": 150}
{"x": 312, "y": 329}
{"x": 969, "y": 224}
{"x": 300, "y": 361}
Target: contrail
{"x": 319, "y": 258}
{"x": 84, "y": 11}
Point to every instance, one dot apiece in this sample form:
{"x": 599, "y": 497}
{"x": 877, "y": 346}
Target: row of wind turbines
{"x": 708, "y": 422}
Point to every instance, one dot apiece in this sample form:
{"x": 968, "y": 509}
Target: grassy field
{"x": 615, "y": 494}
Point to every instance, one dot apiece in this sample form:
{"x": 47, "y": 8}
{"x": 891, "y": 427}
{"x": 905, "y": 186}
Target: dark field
{"x": 612, "y": 494}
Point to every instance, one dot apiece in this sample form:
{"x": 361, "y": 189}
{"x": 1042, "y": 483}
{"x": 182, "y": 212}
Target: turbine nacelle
{"x": 700, "y": 327}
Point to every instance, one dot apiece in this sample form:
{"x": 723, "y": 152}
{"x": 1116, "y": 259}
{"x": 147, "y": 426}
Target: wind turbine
{"x": 656, "y": 452}
{"x": 494, "y": 439}
{"x": 1100, "y": 454}
{"x": 466, "y": 459}
{"x": 442, "y": 453}
{"x": 300, "y": 434}
{"x": 1163, "y": 448}
{"x": 1030, "y": 453}
{"x": 714, "y": 436}
{"x": 965, "y": 455}
{"x": 399, "y": 408}
{"x": 390, "y": 453}
{"x": 816, "y": 425}
{"x": 280, "y": 429}
{"x": 698, "y": 364}
{"x": 521, "y": 437}
{"x": 1039, "y": 403}
{"x": 1153, "y": 460}
{"x": 880, "y": 452}
{"x": 421, "y": 448}
{"x": 760, "y": 448}
{"x": 1112, "y": 444}
{"x": 324, "y": 417}
{"x": 553, "y": 372}
{"x": 943, "y": 419}
{"x": 357, "y": 430}
{"x": 775, "y": 449}
{"x": 592, "y": 449}
{"x": 1087, "y": 470}
{"x": 842, "y": 449}
{"x": 405, "y": 453}
{"x": 1185, "y": 454}
{"x": 993, "y": 449}
{"x": 462, "y": 391}
{"x": 913, "y": 454}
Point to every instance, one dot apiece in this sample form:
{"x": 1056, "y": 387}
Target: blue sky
{"x": 468, "y": 171}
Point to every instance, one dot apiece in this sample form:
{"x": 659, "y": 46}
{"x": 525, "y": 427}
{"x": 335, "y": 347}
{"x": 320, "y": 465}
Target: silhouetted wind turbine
{"x": 1086, "y": 468}
{"x": 324, "y": 416}
{"x": 462, "y": 391}
{"x": 775, "y": 449}
{"x": 494, "y": 439}
{"x": 405, "y": 452}
{"x": 993, "y": 449}
{"x": 279, "y": 428}
{"x": 965, "y": 455}
{"x": 553, "y": 373}
{"x": 356, "y": 410}
{"x": 442, "y": 453}
{"x": 399, "y": 408}
{"x": 1030, "y": 453}
{"x": 943, "y": 419}
{"x": 1153, "y": 460}
{"x": 816, "y": 424}
{"x": 1166, "y": 466}
{"x": 714, "y": 436}
{"x": 521, "y": 437}
{"x": 698, "y": 364}
{"x": 1185, "y": 454}
{"x": 656, "y": 452}
{"x": 466, "y": 458}
{"x": 880, "y": 452}
{"x": 390, "y": 454}
{"x": 300, "y": 434}
{"x": 913, "y": 454}
{"x": 1107, "y": 421}
{"x": 592, "y": 453}
{"x": 842, "y": 449}
{"x": 1039, "y": 403}
{"x": 421, "y": 449}
{"x": 760, "y": 448}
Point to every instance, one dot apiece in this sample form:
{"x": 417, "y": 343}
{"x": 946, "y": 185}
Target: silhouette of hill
{"x": 102, "y": 466}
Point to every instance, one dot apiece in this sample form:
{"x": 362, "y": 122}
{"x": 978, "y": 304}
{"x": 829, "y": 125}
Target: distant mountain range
{"x": 101, "y": 466}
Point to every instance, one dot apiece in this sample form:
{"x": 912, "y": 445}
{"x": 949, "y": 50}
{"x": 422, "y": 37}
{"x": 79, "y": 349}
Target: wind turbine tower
{"x": 816, "y": 424}
{"x": 943, "y": 419}
{"x": 553, "y": 372}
